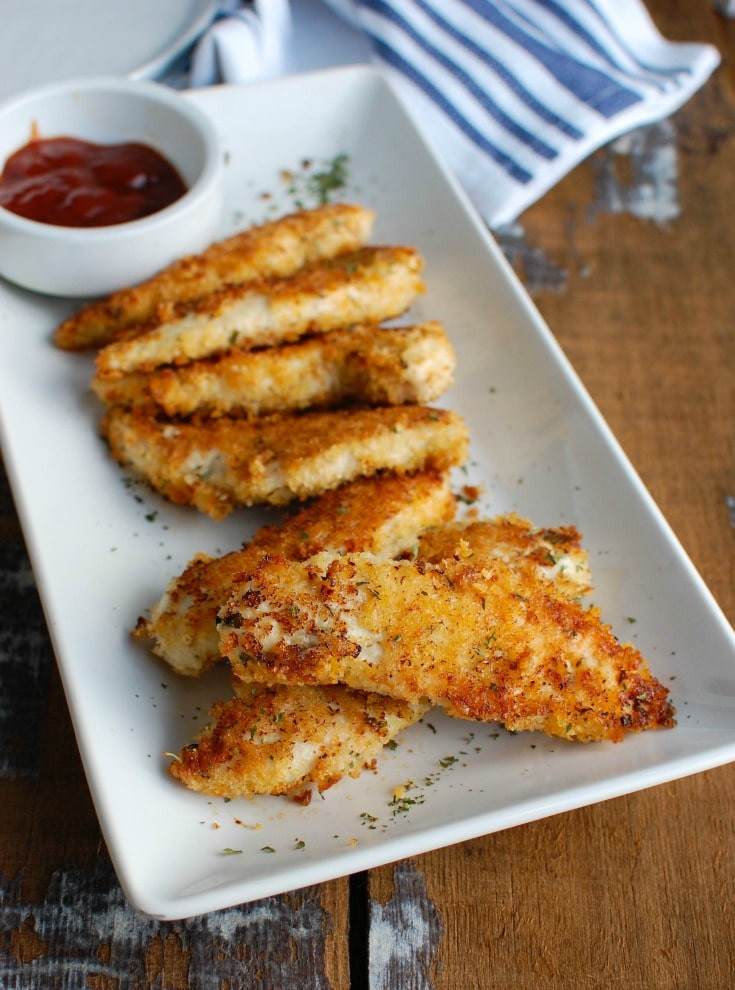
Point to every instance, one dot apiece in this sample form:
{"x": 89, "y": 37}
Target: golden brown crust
{"x": 557, "y": 552}
{"x": 218, "y": 464}
{"x": 288, "y": 740}
{"x": 490, "y": 642}
{"x": 369, "y": 365}
{"x": 384, "y": 515}
{"x": 369, "y": 285}
{"x": 273, "y": 250}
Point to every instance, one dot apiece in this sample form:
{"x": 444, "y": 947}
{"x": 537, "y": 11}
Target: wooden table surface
{"x": 631, "y": 260}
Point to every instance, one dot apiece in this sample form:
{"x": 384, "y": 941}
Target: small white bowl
{"x": 93, "y": 261}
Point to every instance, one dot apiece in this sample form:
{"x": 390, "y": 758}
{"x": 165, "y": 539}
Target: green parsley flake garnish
{"x": 334, "y": 177}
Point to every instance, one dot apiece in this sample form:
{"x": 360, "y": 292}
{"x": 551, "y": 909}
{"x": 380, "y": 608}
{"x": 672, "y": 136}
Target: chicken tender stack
{"x": 286, "y": 736}
{"x": 335, "y": 653}
{"x": 284, "y": 739}
{"x": 262, "y": 371}
{"x": 268, "y": 371}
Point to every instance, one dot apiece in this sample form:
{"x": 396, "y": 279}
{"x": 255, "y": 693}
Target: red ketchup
{"x": 72, "y": 183}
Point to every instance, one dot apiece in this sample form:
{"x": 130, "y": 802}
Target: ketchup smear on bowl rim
{"x": 72, "y": 183}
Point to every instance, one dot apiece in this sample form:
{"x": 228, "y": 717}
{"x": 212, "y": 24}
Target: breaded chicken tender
{"x": 557, "y": 552}
{"x": 488, "y": 641}
{"x": 218, "y": 464}
{"x": 368, "y": 365}
{"x": 272, "y": 250}
{"x": 289, "y": 740}
{"x": 382, "y": 515}
{"x": 366, "y": 286}
{"x": 228, "y": 760}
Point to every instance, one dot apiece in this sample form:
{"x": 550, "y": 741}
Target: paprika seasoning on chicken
{"x": 72, "y": 183}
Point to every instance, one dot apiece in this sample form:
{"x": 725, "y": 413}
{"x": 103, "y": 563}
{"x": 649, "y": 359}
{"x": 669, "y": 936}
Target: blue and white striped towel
{"x": 245, "y": 42}
{"x": 514, "y": 93}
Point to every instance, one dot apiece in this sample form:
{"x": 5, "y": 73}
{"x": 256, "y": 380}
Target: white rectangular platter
{"x": 103, "y": 548}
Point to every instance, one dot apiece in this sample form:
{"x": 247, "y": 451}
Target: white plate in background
{"x": 104, "y": 548}
{"x": 45, "y": 41}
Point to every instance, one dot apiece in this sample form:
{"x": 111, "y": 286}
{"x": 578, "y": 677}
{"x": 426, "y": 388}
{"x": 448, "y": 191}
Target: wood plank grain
{"x": 648, "y": 326}
{"x": 618, "y": 894}
{"x": 406, "y": 930}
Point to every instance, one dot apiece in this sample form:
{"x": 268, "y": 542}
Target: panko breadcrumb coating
{"x": 272, "y": 250}
{"x": 383, "y": 515}
{"x": 557, "y": 552}
{"x": 289, "y": 740}
{"x": 218, "y": 464}
{"x": 369, "y": 285}
{"x": 489, "y": 641}
{"x": 366, "y": 365}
